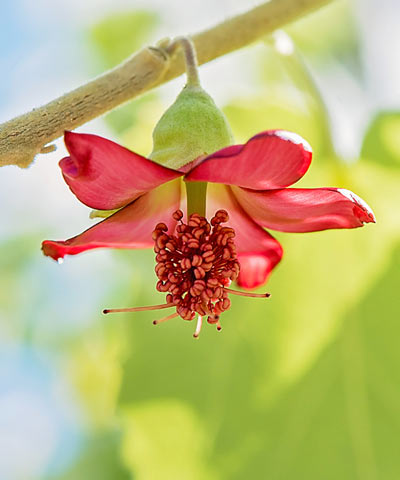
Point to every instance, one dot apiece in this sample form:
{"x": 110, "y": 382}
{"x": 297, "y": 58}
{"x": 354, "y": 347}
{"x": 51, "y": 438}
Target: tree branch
{"x": 25, "y": 136}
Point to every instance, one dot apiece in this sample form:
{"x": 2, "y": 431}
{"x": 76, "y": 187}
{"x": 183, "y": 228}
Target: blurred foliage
{"x": 382, "y": 139}
{"x": 339, "y": 420}
{"x": 99, "y": 460}
{"x": 166, "y": 439}
{"x": 17, "y": 303}
{"x": 95, "y": 370}
{"x": 14, "y": 256}
{"x": 114, "y": 39}
{"x": 287, "y": 98}
{"x": 330, "y": 34}
{"x": 120, "y": 35}
{"x": 284, "y": 109}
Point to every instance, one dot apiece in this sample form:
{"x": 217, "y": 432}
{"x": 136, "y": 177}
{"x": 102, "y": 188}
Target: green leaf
{"x": 99, "y": 460}
{"x": 172, "y": 447}
{"x": 283, "y": 108}
{"x": 327, "y": 33}
{"x": 342, "y": 419}
{"x": 381, "y": 142}
{"x": 17, "y": 259}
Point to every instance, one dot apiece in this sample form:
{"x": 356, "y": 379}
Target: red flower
{"x": 248, "y": 181}
{"x": 197, "y": 261}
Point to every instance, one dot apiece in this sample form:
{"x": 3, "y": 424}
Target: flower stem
{"x": 196, "y": 198}
{"x": 189, "y": 52}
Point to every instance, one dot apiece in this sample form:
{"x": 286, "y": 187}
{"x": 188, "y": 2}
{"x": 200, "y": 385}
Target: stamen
{"x": 198, "y": 326}
{"x": 138, "y": 309}
{"x": 165, "y": 319}
{"x": 195, "y": 265}
{"x": 247, "y": 294}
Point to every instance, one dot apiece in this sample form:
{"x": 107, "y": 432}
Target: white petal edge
{"x": 356, "y": 199}
{"x": 294, "y": 138}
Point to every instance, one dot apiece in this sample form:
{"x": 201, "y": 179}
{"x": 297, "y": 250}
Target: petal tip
{"x": 256, "y": 268}
{"x": 361, "y": 209}
{"x": 51, "y": 249}
{"x": 70, "y": 137}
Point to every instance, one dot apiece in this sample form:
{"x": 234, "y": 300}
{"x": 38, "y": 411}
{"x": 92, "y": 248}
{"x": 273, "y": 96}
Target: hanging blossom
{"x": 242, "y": 189}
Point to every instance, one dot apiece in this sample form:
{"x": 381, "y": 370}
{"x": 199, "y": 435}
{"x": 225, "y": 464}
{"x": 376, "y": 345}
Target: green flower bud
{"x": 192, "y": 126}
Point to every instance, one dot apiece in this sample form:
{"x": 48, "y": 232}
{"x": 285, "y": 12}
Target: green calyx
{"x": 193, "y": 126}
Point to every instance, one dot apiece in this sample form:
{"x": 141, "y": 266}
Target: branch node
{"x": 52, "y": 147}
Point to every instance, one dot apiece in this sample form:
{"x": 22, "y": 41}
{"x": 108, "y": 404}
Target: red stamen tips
{"x": 195, "y": 265}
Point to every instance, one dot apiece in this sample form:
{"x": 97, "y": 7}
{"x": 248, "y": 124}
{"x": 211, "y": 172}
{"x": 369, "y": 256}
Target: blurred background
{"x": 303, "y": 386}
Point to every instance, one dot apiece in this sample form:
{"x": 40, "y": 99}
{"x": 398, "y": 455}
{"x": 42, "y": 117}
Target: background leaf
{"x": 381, "y": 140}
{"x": 114, "y": 39}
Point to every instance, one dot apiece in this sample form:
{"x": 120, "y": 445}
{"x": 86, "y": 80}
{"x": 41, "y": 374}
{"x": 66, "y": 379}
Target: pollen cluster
{"x": 196, "y": 264}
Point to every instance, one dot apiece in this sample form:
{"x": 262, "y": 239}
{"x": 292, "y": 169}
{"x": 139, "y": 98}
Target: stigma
{"x": 195, "y": 265}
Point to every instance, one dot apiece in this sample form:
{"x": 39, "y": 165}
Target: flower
{"x": 247, "y": 182}
{"x": 198, "y": 260}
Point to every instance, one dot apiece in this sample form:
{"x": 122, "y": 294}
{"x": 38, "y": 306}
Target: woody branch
{"x": 27, "y": 135}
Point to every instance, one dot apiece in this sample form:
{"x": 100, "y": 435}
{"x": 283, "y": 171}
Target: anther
{"x": 161, "y": 226}
{"x": 197, "y": 260}
{"x": 177, "y": 215}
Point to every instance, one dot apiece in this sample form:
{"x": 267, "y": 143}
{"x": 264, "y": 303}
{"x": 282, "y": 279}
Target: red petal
{"x": 130, "y": 227}
{"x": 305, "y": 210}
{"x": 105, "y": 175}
{"x": 258, "y": 251}
{"x": 254, "y": 269}
{"x": 272, "y": 159}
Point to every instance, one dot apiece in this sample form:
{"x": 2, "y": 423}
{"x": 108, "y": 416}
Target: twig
{"x": 27, "y": 135}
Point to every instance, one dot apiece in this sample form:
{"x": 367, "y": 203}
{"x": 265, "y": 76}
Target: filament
{"x": 247, "y": 294}
{"x": 164, "y": 319}
{"x": 138, "y": 309}
{"x": 198, "y": 326}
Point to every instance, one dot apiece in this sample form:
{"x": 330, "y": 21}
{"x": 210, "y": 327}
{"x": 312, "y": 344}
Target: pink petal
{"x": 130, "y": 227}
{"x": 305, "y": 210}
{"x": 271, "y": 159}
{"x": 258, "y": 251}
{"x": 105, "y": 175}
